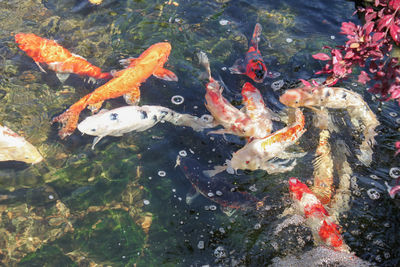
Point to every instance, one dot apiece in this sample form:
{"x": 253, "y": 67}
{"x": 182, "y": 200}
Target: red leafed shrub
{"x": 368, "y": 46}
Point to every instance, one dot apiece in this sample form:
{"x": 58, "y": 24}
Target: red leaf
{"x": 385, "y": 21}
{"x": 363, "y": 77}
{"x": 395, "y": 4}
{"x": 337, "y": 55}
{"x": 349, "y": 54}
{"x": 394, "y": 32}
{"x": 348, "y": 28}
{"x": 370, "y": 16}
{"x": 315, "y": 83}
{"x": 321, "y": 56}
{"x": 368, "y": 27}
{"x": 306, "y": 83}
{"x": 377, "y": 36}
{"x": 395, "y": 94}
{"x": 397, "y": 145}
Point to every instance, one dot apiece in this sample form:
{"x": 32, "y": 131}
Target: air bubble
{"x": 146, "y": 202}
{"x": 210, "y": 194}
{"x": 257, "y": 226}
{"x": 393, "y": 114}
{"x": 183, "y": 153}
{"x": 253, "y": 188}
{"x": 373, "y": 194}
{"x": 333, "y": 37}
{"x": 224, "y": 68}
{"x": 277, "y": 85}
{"x": 222, "y": 230}
{"x": 394, "y": 172}
{"x": 397, "y": 120}
{"x": 177, "y": 99}
{"x": 289, "y": 40}
{"x": 51, "y": 197}
{"x": 200, "y": 245}
{"x": 162, "y": 173}
{"x": 218, "y": 193}
{"x": 224, "y": 22}
{"x": 207, "y": 118}
{"x": 213, "y": 207}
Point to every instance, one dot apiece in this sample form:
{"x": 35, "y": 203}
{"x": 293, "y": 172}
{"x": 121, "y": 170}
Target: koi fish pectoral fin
{"x": 62, "y": 76}
{"x": 94, "y": 108}
{"x": 228, "y": 211}
{"x": 237, "y": 67}
{"x": 133, "y": 97}
{"x": 127, "y": 62}
{"x": 165, "y": 74}
{"x": 40, "y": 67}
{"x": 191, "y": 195}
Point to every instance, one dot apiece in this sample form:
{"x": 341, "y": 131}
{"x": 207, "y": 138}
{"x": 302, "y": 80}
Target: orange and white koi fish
{"x": 232, "y": 119}
{"x": 258, "y": 152}
{"x": 324, "y": 230}
{"x": 56, "y": 57}
{"x": 15, "y": 147}
{"x": 253, "y": 64}
{"x": 126, "y": 83}
{"x": 338, "y": 98}
{"x": 323, "y": 169}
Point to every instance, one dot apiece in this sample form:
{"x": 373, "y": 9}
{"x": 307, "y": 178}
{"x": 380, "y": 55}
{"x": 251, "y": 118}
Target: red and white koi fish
{"x": 126, "y": 83}
{"x": 258, "y": 152}
{"x": 232, "y": 119}
{"x": 253, "y": 64}
{"x": 338, "y": 98}
{"x": 15, "y": 147}
{"x": 317, "y": 218}
{"x": 56, "y": 57}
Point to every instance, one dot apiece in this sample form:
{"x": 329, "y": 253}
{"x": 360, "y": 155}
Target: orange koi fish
{"x": 232, "y": 119}
{"x": 317, "y": 218}
{"x": 258, "y": 152}
{"x": 338, "y": 98}
{"x": 126, "y": 83}
{"x": 56, "y": 57}
{"x": 253, "y": 64}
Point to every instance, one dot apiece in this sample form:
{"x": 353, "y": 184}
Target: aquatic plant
{"x": 369, "y": 47}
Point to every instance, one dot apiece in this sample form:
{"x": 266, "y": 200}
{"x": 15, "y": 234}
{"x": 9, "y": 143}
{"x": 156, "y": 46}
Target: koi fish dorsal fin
{"x": 127, "y": 62}
{"x": 75, "y": 55}
{"x": 238, "y": 67}
{"x": 165, "y": 74}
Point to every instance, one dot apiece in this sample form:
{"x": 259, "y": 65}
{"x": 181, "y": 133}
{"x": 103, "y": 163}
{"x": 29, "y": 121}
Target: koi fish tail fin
{"x": 194, "y": 122}
{"x": 203, "y": 61}
{"x": 256, "y": 36}
{"x": 69, "y": 121}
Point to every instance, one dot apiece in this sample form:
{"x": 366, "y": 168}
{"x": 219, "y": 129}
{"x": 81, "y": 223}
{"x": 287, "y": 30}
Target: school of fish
{"x": 265, "y": 149}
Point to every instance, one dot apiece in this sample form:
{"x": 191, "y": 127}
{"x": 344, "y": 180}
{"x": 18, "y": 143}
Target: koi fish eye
{"x": 93, "y": 130}
{"x": 113, "y": 116}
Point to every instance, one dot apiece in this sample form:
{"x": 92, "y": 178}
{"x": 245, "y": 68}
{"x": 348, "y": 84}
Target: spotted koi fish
{"x": 258, "y": 152}
{"x": 324, "y": 230}
{"x": 217, "y": 189}
{"x": 253, "y": 64}
{"x": 126, "y": 83}
{"x": 339, "y": 98}
{"x": 232, "y": 119}
{"x": 56, "y": 57}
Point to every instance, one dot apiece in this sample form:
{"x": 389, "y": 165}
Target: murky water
{"x": 123, "y": 203}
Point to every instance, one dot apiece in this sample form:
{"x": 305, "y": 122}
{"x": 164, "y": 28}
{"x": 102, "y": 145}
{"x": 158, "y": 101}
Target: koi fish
{"x": 15, "y": 147}
{"x": 56, "y": 57}
{"x": 324, "y": 230}
{"x": 338, "y": 98}
{"x": 258, "y": 152}
{"x": 232, "y": 119}
{"x": 323, "y": 169}
{"x": 253, "y": 64}
{"x": 122, "y": 120}
{"x": 125, "y": 83}
{"x": 217, "y": 189}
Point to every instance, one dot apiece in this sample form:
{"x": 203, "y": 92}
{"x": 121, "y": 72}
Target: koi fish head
{"x": 27, "y": 41}
{"x": 158, "y": 52}
{"x": 256, "y": 70}
{"x": 297, "y": 97}
{"x": 298, "y": 188}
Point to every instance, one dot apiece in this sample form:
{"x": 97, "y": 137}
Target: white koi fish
{"x": 125, "y": 119}
{"x": 338, "y": 98}
{"x": 15, "y": 147}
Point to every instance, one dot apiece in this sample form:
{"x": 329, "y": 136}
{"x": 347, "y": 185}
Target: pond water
{"x": 123, "y": 203}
